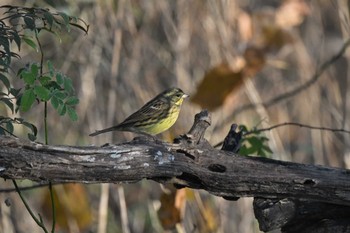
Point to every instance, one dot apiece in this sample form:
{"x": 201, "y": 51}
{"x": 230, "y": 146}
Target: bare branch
{"x": 297, "y": 90}
{"x": 298, "y": 125}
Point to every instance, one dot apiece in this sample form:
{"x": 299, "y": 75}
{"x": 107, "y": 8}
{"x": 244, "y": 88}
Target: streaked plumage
{"x": 156, "y": 116}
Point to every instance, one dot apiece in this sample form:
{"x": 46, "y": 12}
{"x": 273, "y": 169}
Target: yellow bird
{"x": 155, "y": 117}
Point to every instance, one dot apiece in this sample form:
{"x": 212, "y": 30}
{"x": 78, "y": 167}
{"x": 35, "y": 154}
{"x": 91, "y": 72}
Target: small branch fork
{"x": 188, "y": 162}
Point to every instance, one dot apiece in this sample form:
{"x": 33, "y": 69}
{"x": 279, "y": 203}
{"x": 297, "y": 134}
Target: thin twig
{"x": 2, "y": 128}
{"x": 53, "y": 208}
{"x": 38, "y": 221}
{"x": 46, "y": 133}
{"x": 26, "y": 188}
{"x": 41, "y": 74}
{"x": 256, "y": 131}
{"x": 299, "y": 125}
{"x": 297, "y": 90}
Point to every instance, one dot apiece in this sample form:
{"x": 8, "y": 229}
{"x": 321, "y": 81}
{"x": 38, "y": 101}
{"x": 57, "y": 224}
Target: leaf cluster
{"x": 53, "y": 86}
{"x": 23, "y": 24}
{"x": 18, "y": 20}
{"x": 254, "y": 143}
{"x": 6, "y": 126}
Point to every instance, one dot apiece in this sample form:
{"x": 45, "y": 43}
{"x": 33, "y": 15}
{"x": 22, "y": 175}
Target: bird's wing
{"x": 151, "y": 109}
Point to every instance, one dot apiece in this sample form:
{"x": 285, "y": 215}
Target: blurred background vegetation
{"x": 225, "y": 54}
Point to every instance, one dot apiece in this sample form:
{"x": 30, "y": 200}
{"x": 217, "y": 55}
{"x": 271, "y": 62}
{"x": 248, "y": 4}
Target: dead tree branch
{"x": 188, "y": 162}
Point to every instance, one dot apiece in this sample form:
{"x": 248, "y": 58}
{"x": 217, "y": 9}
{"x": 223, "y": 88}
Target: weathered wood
{"x": 295, "y": 215}
{"x": 189, "y": 162}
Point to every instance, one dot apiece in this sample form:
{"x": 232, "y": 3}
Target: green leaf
{"x": 30, "y": 42}
{"x": 5, "y": 80}
{"x": 31, "y": 137}
{"x": 9, "y": 127}
{"x": 253, "y": 140}
{"x": 244, "y": 150}
{"x": 62, "y": 109}
{"x": 55, "y": 102}
{"x": 30, "y": 23}
{"x": 31, "y": 127}
{"x": 15, "y": 91}
{"x": 44, "y": 80}
{"x": 51, "y": 69}
{"x": 243, "y": 129}
{"x": 60, "y": 95}
{"x": 16, "y": 55}
{"x": 4, "y": 42}
{"x": 72, "y": 100}
{"x": 29, "y": 78}
{"x": 17, "y": 39}
{"x": 8, "y": 103}
{"x": 73, "y": 19}
{"x": 65, "y": 18}
{"x": 267, "y": 149}
{"x": 34, "y": 69}
{"x": 59, "y": 78}
{"x": 2, "y": 131}
{"x": 68, "y": 85}
{"x": 255, "y": 144}
{"x": 72, "y": 114}
{"x": 27, "y": 100}
{"x": 49, "y": 18}
{"x": 53, "y": 85}
{"x": 42, "y": 93}
{"x": 84, "y": 29}
{"x": 23, "y": 69}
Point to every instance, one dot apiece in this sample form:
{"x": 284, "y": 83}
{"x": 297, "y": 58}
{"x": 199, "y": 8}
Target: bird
{"x": 155, "y": 117}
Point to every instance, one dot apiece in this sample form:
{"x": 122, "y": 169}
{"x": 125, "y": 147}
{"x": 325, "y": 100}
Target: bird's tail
{"x": 104, "y": 131}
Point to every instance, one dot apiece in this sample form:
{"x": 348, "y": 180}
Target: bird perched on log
{"x": 155, "y": 117}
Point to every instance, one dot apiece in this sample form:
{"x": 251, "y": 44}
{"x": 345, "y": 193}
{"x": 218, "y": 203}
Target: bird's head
{"x": 175, "y": 95}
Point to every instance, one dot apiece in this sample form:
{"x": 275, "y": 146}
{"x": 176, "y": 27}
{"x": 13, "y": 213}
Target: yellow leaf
{"x": 222, "y": 80}
{"x": 216, "y": 85}
{"x": 211, "y": 220}
{"x": 72, "y": 207}
{"x": 169, "y": 213}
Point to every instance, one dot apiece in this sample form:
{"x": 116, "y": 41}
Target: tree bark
{"x": 300, "y": 216}
{"x": 188, "y": 162}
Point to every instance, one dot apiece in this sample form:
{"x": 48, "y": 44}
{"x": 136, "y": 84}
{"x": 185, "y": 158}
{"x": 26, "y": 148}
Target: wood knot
{"x": 217, "y": 168}
{"x": 310, "y": 182}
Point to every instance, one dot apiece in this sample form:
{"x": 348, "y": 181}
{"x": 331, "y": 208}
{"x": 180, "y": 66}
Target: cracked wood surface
{"x": 188, "y": 162}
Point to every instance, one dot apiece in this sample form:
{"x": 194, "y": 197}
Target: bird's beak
{"x": 185, "y": 96}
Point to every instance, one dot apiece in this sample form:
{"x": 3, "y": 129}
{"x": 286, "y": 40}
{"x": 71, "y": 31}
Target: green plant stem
{"x": 50, "y": 183}
{"x": 53, "y": 208}
{"x": 41, "y": 53}
{"x": 45, "y": 123}
{"x": 46, "y": 135}
{"x": 38, "y": 222}
{"x": 41, "y": 74}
